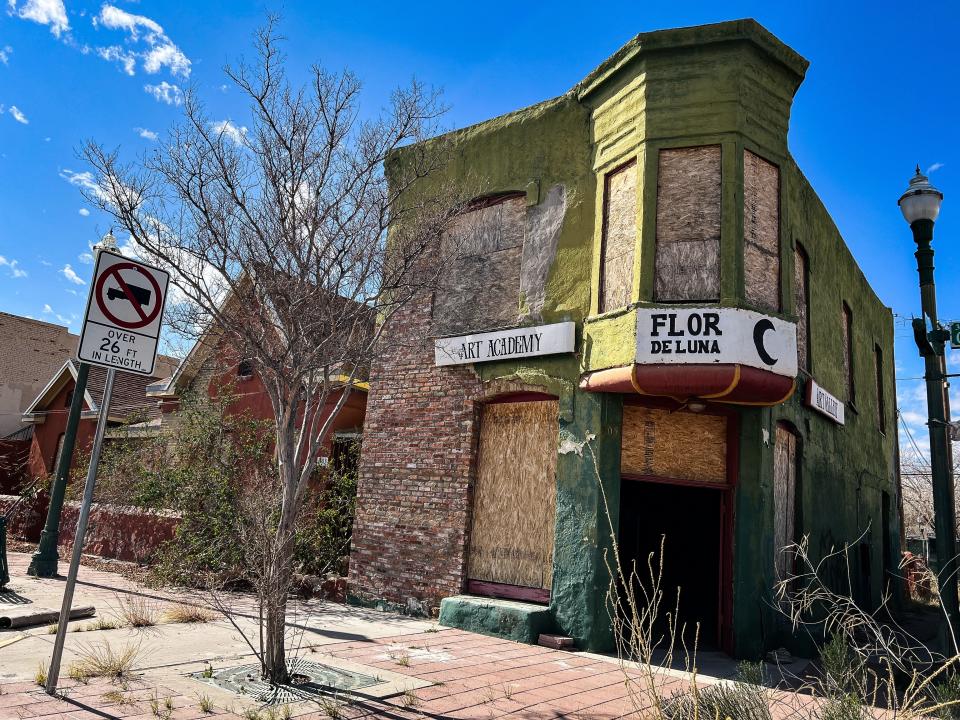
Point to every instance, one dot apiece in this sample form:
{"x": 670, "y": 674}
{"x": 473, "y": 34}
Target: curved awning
{"x": 726, "y": 383}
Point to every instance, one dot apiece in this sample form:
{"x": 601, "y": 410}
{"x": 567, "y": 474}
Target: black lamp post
{"x": 920, "y": 206}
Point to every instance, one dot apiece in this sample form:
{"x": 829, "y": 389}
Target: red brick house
{"x": 48, "y": 411}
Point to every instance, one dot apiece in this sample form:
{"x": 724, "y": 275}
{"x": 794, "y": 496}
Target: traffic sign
{"x": 121, "y": 326}
{"x": 955, "y": 335}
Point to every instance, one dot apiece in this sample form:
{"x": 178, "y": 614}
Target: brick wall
{"x": 416, "y": 471}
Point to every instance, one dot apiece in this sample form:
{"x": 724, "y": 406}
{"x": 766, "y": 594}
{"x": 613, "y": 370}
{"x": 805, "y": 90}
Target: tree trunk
{"x": 274, "y": 652}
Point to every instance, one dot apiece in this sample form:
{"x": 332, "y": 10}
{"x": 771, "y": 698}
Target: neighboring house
{"x": 48, "y": 411}
{"x": 680, "y": 344}
{"x": 30, "y": 352}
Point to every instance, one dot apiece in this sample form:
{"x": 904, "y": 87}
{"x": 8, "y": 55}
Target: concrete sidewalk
{"x": 423, "y": 670}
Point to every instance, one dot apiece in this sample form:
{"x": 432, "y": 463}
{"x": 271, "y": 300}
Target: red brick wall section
{"x": 121, "y": 533}
{"x": 416, "y": 472}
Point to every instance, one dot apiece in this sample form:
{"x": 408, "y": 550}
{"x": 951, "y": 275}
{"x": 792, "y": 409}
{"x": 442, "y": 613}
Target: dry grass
{"x": 410, "y": 699}
{"x": 102, "y": 623}
{"x": 205, "y": 703}
{"x": 186, "y": 613}
{"x": 102, "y": 660}
{"x": 138, "y": 611}
{"x": 40, "y": 677}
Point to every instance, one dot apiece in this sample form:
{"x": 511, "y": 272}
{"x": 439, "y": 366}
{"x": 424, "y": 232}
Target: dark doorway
{"x": 690, "y": 518}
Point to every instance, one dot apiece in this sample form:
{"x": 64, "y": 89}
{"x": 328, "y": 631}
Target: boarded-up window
{"x": 481, "y": 288}
{"x": 784, "y": 498}
{"x": 514, "y": 507}
{"x": 846, "y": 339}
{"x": 688, "y": 225}
{"x": 678, "y": 445}
{"x": 881, "y": 400}
{"x": 801, "y": 299}
{"x": 619, "y": 237}
{"x": 761, "y": 232}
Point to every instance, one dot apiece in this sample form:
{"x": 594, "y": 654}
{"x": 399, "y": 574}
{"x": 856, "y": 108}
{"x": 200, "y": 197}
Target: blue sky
{"x": 881, "y": 94}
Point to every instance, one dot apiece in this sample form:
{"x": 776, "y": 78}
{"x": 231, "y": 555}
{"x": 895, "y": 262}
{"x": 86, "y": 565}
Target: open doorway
{"x": 689, "y": 520}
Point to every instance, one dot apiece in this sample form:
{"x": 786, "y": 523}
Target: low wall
{"x": 113, "y": 531}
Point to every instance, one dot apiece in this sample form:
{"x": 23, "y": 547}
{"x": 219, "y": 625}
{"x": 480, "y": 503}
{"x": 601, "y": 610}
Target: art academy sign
{"x": 505, "y": 344}
{"x": 716, "y": 335}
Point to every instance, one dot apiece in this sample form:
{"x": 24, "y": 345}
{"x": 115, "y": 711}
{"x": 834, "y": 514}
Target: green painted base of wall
{"x": 509, "y": 619}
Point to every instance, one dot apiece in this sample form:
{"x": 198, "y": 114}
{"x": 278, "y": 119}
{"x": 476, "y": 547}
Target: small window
{"x": 801, "y": 289}
{"x": 68, "y": 401}
{"x": 847, "y": 338}
{"x": 245, "y": 369}
{"x": 881, "y": 400}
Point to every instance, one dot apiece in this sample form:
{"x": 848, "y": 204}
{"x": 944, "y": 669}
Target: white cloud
{"x": 166, "y": 93}
{"x": 145, "y": 134}
{"x": 227, "y": 128}
{"x": 18, "y": 115}
{"x": 84, "y": 212}
{"x": 47, "y": 310}
{"x": 70, "y": 275}
{"x": 5, "y": 52}
{"x": 115, "y": 53}
{"x": 86, "y": 258}
{"x": 45, "y": 12}
{"x": 936, "y": 166}
{"x": 159, "y": 51}
{"x": 12, "y": 267}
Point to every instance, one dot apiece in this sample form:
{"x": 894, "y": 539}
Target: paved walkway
{"x": 426, "y": 670}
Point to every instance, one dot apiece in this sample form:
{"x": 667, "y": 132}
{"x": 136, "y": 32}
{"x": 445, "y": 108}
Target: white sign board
{"x": 684, "y": 336}
{"x": 124, "y": 311}
{"x": 505, "y": 344}
{"x": 823, "y": 402}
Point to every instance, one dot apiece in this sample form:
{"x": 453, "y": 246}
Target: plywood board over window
{"x": 784, "y": 498}
{"x": 514, "y": 507}
{"x": 481, "y": 287}
{"x": 688, "y": 225}
{"x": 761, "y": 232}
{"x": 673, "y": 445}
{"x": 619, "y": 237}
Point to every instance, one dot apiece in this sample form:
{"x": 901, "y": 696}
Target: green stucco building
{"x": 652, "y": 329}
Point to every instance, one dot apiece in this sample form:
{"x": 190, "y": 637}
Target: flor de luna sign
{"x": 716, "y": 335}
{"x": 505, "y": 344}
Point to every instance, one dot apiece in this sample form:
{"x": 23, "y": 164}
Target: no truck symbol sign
{"x": 124, "y": 311}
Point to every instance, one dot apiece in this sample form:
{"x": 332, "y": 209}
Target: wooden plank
{"x": 784, "y": 497}
{"x": 619, "y": 237}
{"x": 508, "y": 592}
{"x": 680, "y": 446}
{"x": 514, "y": 509}
{"x": 761, "y": 232}
{"x": 687, "y": 261}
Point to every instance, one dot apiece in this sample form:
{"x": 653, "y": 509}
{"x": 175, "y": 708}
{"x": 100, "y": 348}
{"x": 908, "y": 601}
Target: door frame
{"x": 727, "y": 492}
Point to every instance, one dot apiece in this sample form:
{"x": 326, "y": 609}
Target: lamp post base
{"x": 44, "y": 561}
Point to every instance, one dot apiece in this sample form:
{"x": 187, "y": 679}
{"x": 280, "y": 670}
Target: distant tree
{"x": 286, "y": 235}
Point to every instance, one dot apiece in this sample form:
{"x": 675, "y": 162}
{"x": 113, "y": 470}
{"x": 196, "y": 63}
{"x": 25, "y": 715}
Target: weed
{"x": 155, "y": 707}
{"x": 40, "y": 677}
{"x": 168, "y": 703}
{"x": 509, "y": 690}
{"x": 432, "y": 629}
{"x": 186, "y": 613}
{"x": 286, "y": 713}
{"x": 410, "y": 699}
{"x": 139, "y": 611}
{"x": 52, "y": 628}
{"x": 401, "y": 658}
{"x": 114, "y": 696}
{"x": 102, "y": 623}
{"x": 331, "y": 708}
{"x": 207, "y": 671}
{"x": 102, "y": 660}
{"x": 251, "y": 714}
{"x": 206, "y": 704}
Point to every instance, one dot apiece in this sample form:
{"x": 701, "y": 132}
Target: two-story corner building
{"x": 653, "y": 329}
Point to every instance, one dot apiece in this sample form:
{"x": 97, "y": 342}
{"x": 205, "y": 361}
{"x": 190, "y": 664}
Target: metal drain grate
{"x": 318, "y": 679}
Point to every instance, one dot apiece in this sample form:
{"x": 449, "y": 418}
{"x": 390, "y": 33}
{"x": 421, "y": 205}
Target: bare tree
{"x": 290, "y": 239}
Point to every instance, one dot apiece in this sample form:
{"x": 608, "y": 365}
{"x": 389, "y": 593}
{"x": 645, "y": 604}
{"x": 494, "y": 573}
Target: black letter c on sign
{"x": 758, "y": 332}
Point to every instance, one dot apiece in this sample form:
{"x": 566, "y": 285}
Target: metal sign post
{"x": 53, "y": 674}
{"x": 121, "y": 329}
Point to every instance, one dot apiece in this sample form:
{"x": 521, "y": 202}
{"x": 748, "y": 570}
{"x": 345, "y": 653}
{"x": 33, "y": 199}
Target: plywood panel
{"x": 688, "y": 225}
{"x": 784, "y": 497}
{"x": 761, "y": 232}
{"x": 678, "y": 445}
{"x": 620, "y": 237}
{"x": 511, "y": 540}
{"x": 481, "y": 288}
{"x": 801, "y": 300}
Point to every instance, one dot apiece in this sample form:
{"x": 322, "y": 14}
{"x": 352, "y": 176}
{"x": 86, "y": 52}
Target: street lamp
{"x": 920, "y": 206}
